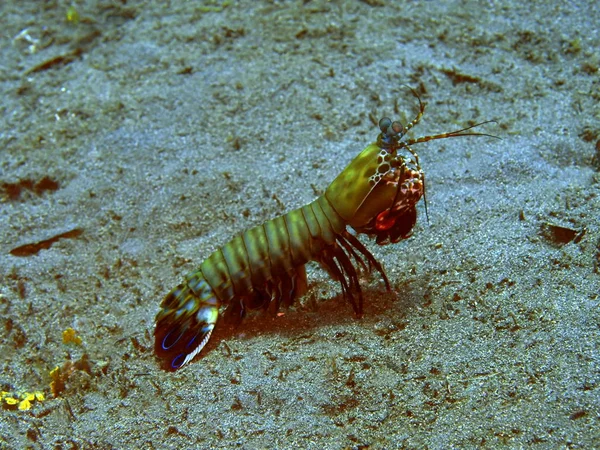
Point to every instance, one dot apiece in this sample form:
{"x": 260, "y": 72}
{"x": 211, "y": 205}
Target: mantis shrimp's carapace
{"x": 263, "y": 268}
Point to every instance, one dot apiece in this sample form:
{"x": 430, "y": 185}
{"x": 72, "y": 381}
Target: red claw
{"x": 384, "y": 221}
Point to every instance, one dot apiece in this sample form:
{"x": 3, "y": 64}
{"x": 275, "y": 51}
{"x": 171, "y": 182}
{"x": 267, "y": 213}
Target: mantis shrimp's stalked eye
{"x": 384, "y": 124}
{"x": 391, "y": 132}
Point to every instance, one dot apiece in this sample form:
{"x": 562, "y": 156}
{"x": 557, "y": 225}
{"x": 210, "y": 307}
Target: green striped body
{"x": 259, "y": 269}
{"x": 271, "y": 250}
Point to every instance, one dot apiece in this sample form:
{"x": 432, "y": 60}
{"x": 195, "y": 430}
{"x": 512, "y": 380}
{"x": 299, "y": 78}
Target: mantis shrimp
{"x": 264, "y": 267}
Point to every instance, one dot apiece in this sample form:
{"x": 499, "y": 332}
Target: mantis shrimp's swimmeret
{"x": 263, "y": 267}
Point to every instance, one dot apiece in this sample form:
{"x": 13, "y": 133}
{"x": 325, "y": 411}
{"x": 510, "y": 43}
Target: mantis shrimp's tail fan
{"x": 185, "y": 322}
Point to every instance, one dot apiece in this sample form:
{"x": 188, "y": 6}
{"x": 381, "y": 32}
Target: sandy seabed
{"x": 141, "y": 137}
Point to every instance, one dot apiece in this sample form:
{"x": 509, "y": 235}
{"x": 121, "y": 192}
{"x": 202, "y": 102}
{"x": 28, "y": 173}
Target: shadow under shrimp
{"x": 311, "y": 317}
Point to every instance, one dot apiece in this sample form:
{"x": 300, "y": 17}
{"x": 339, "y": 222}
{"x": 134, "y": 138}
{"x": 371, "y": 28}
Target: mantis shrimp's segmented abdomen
{"x": 262, "y": 268}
